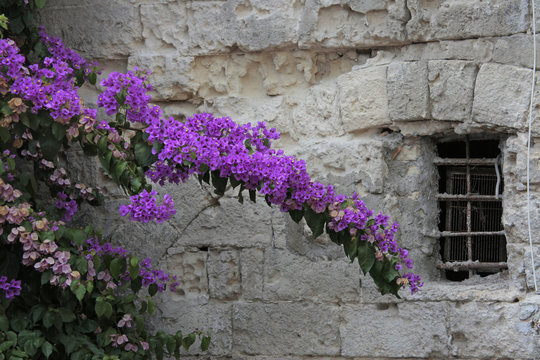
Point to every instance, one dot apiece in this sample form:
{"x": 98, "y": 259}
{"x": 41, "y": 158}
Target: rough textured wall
{"x": 362, "y": 90}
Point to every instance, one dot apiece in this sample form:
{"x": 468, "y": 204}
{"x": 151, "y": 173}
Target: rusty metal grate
{"x": 472, "y": 236}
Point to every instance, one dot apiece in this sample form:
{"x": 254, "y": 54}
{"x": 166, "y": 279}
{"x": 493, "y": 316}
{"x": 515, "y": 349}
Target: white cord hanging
{"x": 533, "y": 23}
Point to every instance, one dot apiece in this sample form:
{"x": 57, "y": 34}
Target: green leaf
{"x": 4, "y": 135}
{"x": 66, "y": 315}
{"x": 92, "y": 78}
{"x": 205, "y": 343}
{"x": 315, "y": 221}
{"x": 117, "y": 267}
{"x": 105, "y": 160}
{"x": 46, "y": 349}
{"x": 119, "y": 169}
{"x": 143, "y": 154}
{"x": 219, "y": 183}
{"x": 50, "y": 147}
{"x": 48, "y": 319}
{"x": 150, "y": 306}
{"x": 152, "y": 289}
{"x": 80, "y": 292}
{"x": 4, "y": 323}
{"x": 5, "y": 346}
{"x": 40, "y": 3}
{"x": 136, "y": 284}
{"x": 37, "y": 312}
{"x": 171, "y": 344}
{"x": 188, "y": 341}
{"x": 253, "y": 196}
{"x": 45, "y": 277}
{"x": 78, "y": 237}
{"x": 366, "y": 256}
{"x": 58, "y": 130}
{"x": 296, "y": 215}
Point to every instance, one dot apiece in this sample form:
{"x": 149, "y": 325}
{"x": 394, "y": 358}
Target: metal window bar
{"x": 473, "y": 238}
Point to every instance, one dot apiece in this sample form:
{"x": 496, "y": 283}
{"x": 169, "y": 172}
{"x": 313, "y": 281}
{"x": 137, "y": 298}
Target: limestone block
{"x": 376, "y": 330}
{"x": 247, "y": 24}
{"x": 190, "y": 266}
{"x": 358, "y": 24}
{"x": 187, "y": 316}
{"x": 457, "y": 19}
{"x": 501, "y": 96}
{"x": 480, "y": 50}
{"x": 295, "y": 278}
{"x": 423, "y": 128}
{"x": 252, "y": 272}
{"x": 488, "y": 330}
{"x": 515, "y": 50}
{"x": 171, "y": 77}
{"x": 286, "y": 329}
{"x": 317, "y": 113}
{"x": 97, "y": 29}
{"x": 408, "y": 93}
{"x": 358, "y": 160}
{"x": 230, "y": 223}
{"x": 275, "y": 111}
{"x": 363, "y": 99}
{"x": 165, "y": 27}
{"x": 451, "y": 87}
{"x": 224, "y": 274}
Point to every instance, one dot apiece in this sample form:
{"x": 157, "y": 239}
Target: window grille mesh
{"x": 472, "y": 236}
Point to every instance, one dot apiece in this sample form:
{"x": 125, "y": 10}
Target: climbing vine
{"x": 64, "y": 292}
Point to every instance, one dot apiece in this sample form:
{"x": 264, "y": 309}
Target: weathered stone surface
{"x": 366, "y": 330}
{"x": 359, "y": 24}
{"x": 248, "y": 25}
{"x": 317, "y": 113}
{"x": 455, "y": 19}
{"x": 408, "y": 93}
{"x": 224, "y": 274}
{"x": 501, "y": 96}
{"x": 190, "y": 266}
{"x": 187, "y": 316}
{"x": 363, "y": 99}
{"x": 451, "y": 89}
{"x": 515, "y": 50}
{"x": 229, "y": 223}
{"x": 363, "y": 163}
{"x": 476, "y": 330}
{"x": 272, "y": 329}
{"x": 252, "y": 272}
{"x": 165, "y": 27}
{"x": 81, "y": 24}
{"x": 296, "y": 278}
{"x": 171, "y": 76}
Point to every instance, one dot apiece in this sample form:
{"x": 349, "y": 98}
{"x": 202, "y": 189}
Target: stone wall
{"x": 362, "y": 90}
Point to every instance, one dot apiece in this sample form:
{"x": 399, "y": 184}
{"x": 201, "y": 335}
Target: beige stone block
{"x": 352, "y": 23}
{"x": 291, "y": 277}
{"x": 190, "y": 266}
{"x": 501, "y": 96}
{"x": 165, "y": 27}
{"x": 214, "y": 318}
{"x": 252, "y": 271}
{"x": 457, "y": 19}
{"x": 317, "y": 113}
{"x": 230, "y": 224}
{"x": 408, "y": 93}
{"x": 97, "y": 29}
{"x": 171, "y": 75}
{"x": 224, "y": 281}
{"x": 451, "y": 89}
{"x": 363, "y": 100}
{"x": 489, "y": 330}
{"x": 377, "y": 330}
{"x": 360, "y": 160}
{"x": 286, "y": 328}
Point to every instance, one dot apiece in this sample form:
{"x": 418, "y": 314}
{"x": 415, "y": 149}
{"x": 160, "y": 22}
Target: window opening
{"x": 472, "y": 237}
